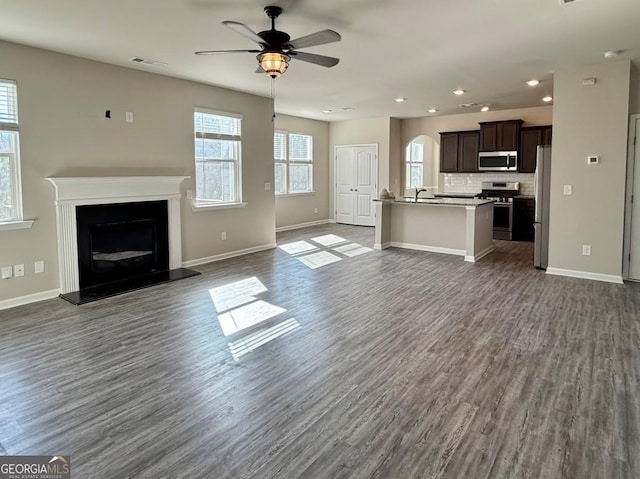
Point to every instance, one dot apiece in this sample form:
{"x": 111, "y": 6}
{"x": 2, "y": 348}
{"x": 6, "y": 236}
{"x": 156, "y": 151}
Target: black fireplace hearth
{"x": 122, "y": 247}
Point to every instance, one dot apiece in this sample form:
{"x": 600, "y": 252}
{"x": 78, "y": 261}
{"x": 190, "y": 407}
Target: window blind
{"x": 280, "y": 146}
{"x": 214, "y": 126}
{"x": 299, "y": 147}
{"x": 8, "y": 105}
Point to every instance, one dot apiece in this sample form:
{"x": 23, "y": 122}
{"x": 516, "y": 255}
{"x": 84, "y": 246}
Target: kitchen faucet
{"x": 418, "y": 191}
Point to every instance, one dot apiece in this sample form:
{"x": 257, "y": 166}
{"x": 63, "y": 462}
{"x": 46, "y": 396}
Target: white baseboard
{"x": 230, "y": 254}
{"x": 609, "y": 278}
{"x": 301, "y": 225}
{"x": 431, "y": 249}
{"x": 332, "y": 221}
{"x": 382, "y": 246}
{"x": 29, "y": 298}
{"x": 481, "y": 254}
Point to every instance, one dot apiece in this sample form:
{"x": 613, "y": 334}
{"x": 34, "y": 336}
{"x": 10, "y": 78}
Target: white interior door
{"x": 634, "y": 244}
{"x": 356, "y": 184}
{"x": 344, "y": 184}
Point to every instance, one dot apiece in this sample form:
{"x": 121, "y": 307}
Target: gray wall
{"x": 63, "y": 131}
{"x": 589, "y": 120}
{"x": 299, "y": 209}
{"x": 634, "y": 95}
{"x": 360, "y": 132}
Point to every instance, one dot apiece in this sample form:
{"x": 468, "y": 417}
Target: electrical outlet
{"x": 7, "y": 272}
{"x": 189, "y": 194}
{"x": 223, "y": 236}
{"x": 38, "y": 267}
{"x": 567, "y": 189}
{"x": 586, "y": 250}
{"x": 267, "y": 186}
{"x": 18, "y": 270}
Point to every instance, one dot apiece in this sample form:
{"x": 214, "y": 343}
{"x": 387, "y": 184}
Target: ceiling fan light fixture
{"x": 274, "y": 64}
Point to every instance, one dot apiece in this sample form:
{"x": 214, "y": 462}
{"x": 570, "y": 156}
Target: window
{"x": 414, "y": 169}
{"x": 217, "y": 155}
{"x": 293, "y": 156}
{"x": 10, "y": 198}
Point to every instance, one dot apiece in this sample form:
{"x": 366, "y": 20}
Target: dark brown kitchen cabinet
{"x": 459, "y": 152}
{"x": 500, "y": 135}
{"x": 523, "y": 219}
{"x": 530, "y": 138}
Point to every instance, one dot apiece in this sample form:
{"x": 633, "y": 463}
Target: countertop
{"x": 439, "y": 201}
{"x": 455, "y": 195}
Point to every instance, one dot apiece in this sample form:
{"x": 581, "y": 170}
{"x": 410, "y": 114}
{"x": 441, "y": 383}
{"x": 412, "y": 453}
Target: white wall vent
{"x": 148, "y": 62}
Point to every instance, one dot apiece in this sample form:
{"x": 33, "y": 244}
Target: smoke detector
{"x": 468, "y": 105}
{"x": 148, "y": 62}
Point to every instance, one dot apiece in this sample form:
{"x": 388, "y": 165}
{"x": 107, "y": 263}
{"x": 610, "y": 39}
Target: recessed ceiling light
{"x": 326, "y": 111}
{"x": 399, "y": 99}
{"x": 348, "y": 108}
{"x": 533, "y": 82}
{"x": 459, "y": 91}
{"x": 612, "y": 53}
{"x": 547, "y": 98}
{"x": 484, "y": 108}
{"x": 432, "y": 110}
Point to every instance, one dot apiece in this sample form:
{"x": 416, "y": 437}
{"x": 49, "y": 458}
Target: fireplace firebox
{"x": 119, "y": 241}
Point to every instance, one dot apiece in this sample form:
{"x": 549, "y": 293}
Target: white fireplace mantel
{"x": 77, "y": 191}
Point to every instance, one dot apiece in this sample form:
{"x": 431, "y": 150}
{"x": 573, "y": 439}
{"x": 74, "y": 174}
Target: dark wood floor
{"x": 385, "y": 364}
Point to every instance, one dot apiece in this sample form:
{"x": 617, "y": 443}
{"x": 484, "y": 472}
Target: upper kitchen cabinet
{"x": 459, "y": 152}
{"x": 500, "y": 135}
{"x": 530, "y": 138}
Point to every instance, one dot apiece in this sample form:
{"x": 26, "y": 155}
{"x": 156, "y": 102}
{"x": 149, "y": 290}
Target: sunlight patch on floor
{"x": 254, "y": 340}
{"x": 330, "y": 249}
{"x": 247, "y": 316}
{"x": 352, "y": 249}
{"x": 317, "y": 260}
{"x": 298, "y": 247}
{"x": 328, "y": 240}
{"x": 236, "y": 294}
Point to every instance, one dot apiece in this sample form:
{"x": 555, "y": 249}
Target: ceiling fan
{"x": 277, "y": 48}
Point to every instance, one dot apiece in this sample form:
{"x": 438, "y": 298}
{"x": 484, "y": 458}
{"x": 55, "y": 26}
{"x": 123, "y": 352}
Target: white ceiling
{"x": 418, "y": 49}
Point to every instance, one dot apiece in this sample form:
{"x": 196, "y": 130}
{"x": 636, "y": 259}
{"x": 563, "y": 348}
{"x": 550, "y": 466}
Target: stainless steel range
{"x": 502, "y": 193}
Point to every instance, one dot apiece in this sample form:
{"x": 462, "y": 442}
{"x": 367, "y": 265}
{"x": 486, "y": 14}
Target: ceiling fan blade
{"x": 215, "y": 52}
{"x": 244, "y": 30}
{"x": 318, "y": 38}
{"x": 313, "y": 58}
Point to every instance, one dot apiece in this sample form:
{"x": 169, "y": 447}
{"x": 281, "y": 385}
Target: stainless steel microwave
{"x": 498, "y": 161}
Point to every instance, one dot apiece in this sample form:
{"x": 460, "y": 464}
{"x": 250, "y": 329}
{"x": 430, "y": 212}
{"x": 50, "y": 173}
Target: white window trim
{"x": 16, "y": 225}
{"x": 288, "y": 162}
{"x": 17, "y": 221}
{"x": 409, "y": 163}
{"x": 198, "y": 206}
{"x": 208, "y": 205}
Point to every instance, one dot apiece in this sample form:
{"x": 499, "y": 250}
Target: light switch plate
{"x": 38, "y": 267}
{"x": 267, "y": 186}
{"x": 567, "y": 189}
{"x": 18, "y": 270}
{"x": 7, "y": 272}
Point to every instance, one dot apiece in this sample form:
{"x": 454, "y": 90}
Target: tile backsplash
{"x": 472, "y": 182}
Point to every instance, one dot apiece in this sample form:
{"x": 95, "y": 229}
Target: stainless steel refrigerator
{"x": 542, "y": 186}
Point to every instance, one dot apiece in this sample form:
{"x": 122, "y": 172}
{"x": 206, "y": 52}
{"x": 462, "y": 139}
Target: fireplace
{"x": 120, "y": 241}
{"x": 117, "y": 234}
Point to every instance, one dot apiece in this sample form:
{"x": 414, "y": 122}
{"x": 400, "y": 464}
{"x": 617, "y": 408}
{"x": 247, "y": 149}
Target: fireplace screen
{"x": 122, "y": 241}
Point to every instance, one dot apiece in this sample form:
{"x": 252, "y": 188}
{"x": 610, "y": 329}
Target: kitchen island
{"x": 458, "y": 226}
